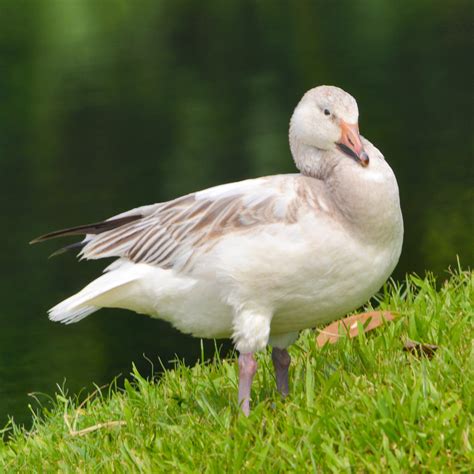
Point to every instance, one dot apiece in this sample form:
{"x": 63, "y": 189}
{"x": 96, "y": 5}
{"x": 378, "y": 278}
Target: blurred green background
{"x": 107, "y": 105}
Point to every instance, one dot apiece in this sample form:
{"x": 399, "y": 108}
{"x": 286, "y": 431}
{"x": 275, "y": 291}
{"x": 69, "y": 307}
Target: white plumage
{"x": 260, "y": 259}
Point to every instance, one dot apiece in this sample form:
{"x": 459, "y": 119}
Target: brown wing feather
{"x": 171, "y": 234}
{"x": 176, "y": 231}
{"x": 96, "y": 228}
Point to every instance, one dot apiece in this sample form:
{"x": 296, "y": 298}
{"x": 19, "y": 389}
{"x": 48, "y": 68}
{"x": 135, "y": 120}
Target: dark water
{"x": 109, "y": 105}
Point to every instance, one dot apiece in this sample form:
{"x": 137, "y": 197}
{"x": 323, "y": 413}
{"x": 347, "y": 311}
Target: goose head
{"x": 325, "y": 120}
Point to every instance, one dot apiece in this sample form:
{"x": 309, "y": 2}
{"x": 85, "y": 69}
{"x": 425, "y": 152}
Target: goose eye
{"x": 327, "y": 112}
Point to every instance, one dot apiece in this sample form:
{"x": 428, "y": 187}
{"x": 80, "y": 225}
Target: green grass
{"x": 361, "y": 405}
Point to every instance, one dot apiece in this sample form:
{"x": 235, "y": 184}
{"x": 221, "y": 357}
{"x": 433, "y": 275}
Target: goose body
{"x": 261, "y": 259}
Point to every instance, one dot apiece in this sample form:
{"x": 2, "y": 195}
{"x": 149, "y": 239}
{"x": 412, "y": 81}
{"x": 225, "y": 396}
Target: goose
{"x": 258, "y": 260}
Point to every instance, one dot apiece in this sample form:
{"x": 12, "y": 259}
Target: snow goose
{"x": 257, "y": 260}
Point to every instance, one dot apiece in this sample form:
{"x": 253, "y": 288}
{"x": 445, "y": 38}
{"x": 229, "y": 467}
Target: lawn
{"x": 360, "y": 405}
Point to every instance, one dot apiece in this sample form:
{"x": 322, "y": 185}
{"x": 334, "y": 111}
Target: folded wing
{"x": 174, "y": 233}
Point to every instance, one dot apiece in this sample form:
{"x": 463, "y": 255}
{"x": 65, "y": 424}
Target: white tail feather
{"x": 69, "y": 316}
{"x": 94, "y": 296}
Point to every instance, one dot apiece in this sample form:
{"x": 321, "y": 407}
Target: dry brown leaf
{"x": 419, "y": 349}
{"x": 350, "y": 327}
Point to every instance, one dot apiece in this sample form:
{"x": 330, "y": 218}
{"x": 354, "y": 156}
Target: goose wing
{"x": 174, "y": 233}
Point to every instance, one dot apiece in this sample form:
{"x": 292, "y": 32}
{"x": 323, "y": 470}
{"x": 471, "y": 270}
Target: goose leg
{"x": 247, "y": 369}
{"x": 281, "y": 362}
